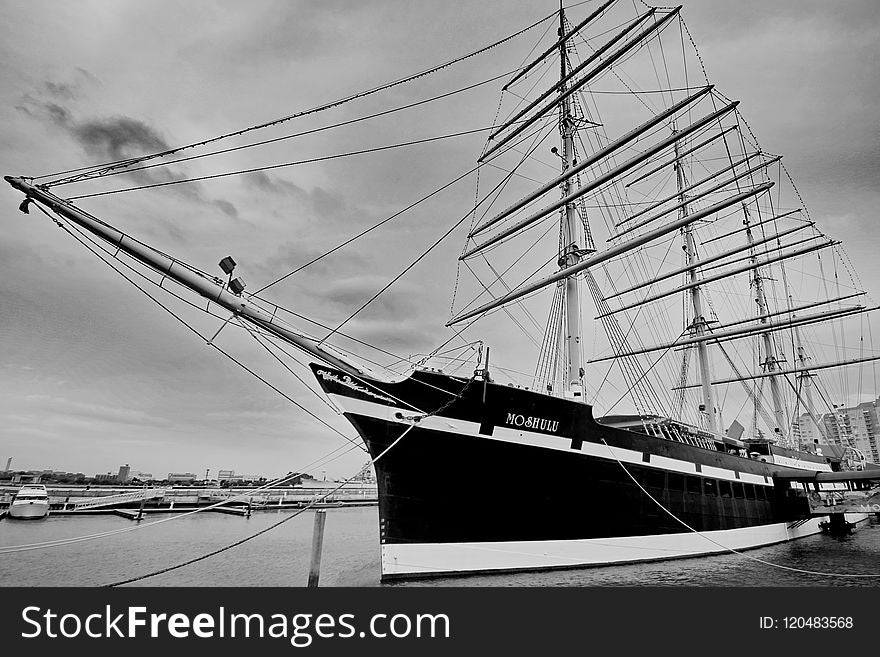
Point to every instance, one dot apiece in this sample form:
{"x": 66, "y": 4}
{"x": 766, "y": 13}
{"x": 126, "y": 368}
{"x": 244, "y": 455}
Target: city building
{"x": 227, "y": 475}
{"x": 855, "y": 426}
{"x": 124, "y": 473}
{"x": 181, "y": 477}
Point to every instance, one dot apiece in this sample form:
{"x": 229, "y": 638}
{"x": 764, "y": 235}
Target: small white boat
{"x": 30, "y": 503}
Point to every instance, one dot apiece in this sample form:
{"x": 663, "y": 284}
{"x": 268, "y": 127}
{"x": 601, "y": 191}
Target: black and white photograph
{"x": 497, "y": 294}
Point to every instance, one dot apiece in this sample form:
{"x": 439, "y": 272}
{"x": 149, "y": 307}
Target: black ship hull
{"x": 473, "y": 476}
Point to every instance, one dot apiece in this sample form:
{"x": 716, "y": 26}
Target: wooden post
{"x": 317, "y": 545}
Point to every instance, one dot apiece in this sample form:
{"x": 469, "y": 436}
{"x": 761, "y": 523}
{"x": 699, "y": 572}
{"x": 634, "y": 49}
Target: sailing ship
{"x": 699, "y": 221}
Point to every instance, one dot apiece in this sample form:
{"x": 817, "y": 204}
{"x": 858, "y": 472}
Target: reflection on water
{"x": 351, "y": 556}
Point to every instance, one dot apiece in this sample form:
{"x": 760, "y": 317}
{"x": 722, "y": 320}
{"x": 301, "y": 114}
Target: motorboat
{"x": 30, "y": 503}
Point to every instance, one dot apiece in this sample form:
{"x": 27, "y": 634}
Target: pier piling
{"x": 317, "y": 545}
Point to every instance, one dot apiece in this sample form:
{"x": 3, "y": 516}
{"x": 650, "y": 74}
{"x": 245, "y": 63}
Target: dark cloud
{"x": 110, "y": 139}
{"x": 294, "y": 254}
{"x": 266, "y": 183}
{"x": 321, "y": 203}
{"x": 61, "y": 90}
{"x": 351, "y": 292}
{"x": 226, "y": 208}
{"x": 401, "y": 319}
{"x": 403, "y": 336}
{"x": 105, "y": 139}
{"x": 58, "y": 114}
{"x": 117, "y": 138}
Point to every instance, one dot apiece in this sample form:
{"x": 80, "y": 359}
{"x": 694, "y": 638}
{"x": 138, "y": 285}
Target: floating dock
{"x": 134, "y": 503}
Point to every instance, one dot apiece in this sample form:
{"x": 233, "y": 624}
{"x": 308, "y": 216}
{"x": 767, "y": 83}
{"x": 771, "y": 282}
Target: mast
{"x": 698, "y": 326}
{"x": 770, "y": 362}
{"x": 570, "y": 254}
{"x": 612, "y": 252}
{"x": 806, "y": 384}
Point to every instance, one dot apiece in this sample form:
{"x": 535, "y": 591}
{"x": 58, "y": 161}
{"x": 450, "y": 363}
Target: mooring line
{"x": 724, "y": 547}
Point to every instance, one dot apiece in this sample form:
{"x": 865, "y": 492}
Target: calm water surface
{"x": 280, "y": 557}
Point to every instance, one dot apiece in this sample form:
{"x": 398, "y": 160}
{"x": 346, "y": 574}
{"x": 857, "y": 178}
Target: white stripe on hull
{"x": 402, "y": 560}
{"x": 533, "y": 439}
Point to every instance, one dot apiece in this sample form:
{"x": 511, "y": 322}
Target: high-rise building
{"x": 855, "y": 426}
{"x": 124, "y": 473}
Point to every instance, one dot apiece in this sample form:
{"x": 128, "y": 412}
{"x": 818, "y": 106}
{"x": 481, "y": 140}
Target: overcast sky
{"x": 93, "y": 374}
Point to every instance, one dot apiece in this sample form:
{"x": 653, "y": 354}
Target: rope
{"x": 269, "y": 167}
{"x": 239, "y": 542}
{"x": 414, "y": 263}
{"x": 370, "y": 229}
{"x": 79, "y": 539}
{"x": 193, "y": 329}
{"x": 300, "y": 511}
{"x": 291, "y": 136}
{"x": 314, "y": 110}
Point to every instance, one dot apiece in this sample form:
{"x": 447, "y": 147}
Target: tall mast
{"x": 570, "y": 253}
{"x": 770, "y": 361}
{"x": 806, "y": 384}
{"x": 698, "y": 327}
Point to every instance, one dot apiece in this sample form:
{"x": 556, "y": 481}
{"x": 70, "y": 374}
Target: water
{"x": 351, "y": 556}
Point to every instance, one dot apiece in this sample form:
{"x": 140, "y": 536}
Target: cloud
{"x": 321, "y": 204}
{"x": 291, "y": 255}
{"x": 402, "y": 336}
{"x": 352, "y": 292}
{"x": 111, "y": 139}
{"x": 61, "y": 90}
{"x": 401, "y": 319}
{"x": 106, "y": 139}
{"x": 273, "y": 185}
{"x": 116, "y": 138}
{"x": 226, "y": 208}
{"x": 100, "y": 413}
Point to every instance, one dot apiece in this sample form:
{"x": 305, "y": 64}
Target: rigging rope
{"x": 123, "y": 163}
{"x": 323, "y": 158}
{"x": 324, "y": 460}
{"x": 250, "y": 537}
{"x": 83, "y": 240}
{"x": 423, "y": 255}
{"x": 291, "y": 136}
{"x": 299, "y": 512}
